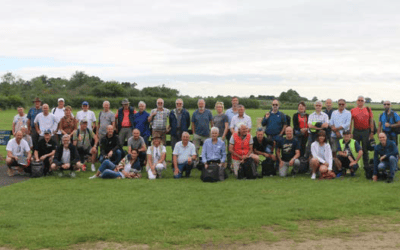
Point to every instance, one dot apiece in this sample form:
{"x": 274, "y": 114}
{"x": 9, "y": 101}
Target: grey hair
{"x": 388, "y": 102}
{"x": 215, "y": 129}
{"x": 141, "y": 102}
{"x": 185, "y": 133}
{"x": 106, "y": 102}
{"x": 201, "y": 100}
{"x": 360, "y": 96}
{"x": 315, "y": 103}
{"x": 65, "y": 137}
{"x": 179, "y": 99}
{"x": 161, "y": 100}
{"x": 240, "y": 124}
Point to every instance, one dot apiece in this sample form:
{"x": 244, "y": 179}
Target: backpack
{"x": 249, "y": 169}
{"x": 211, "y": 174}
{"x": 37, "y": 169}
{"x": 268, "y": 168}
{"x": 304, "y": 165}
{"x": 288, "y": 120}
{"x": 391, "y": 116}
{"x": 88, "y": 132}
{"x": 369, "y": 171}
{"x": 375, "y": 129}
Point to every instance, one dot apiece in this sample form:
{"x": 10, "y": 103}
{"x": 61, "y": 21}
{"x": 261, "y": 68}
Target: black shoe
{"x": 389, "y": 180}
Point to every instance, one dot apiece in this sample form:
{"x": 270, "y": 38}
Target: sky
{"x": 329, "y": 49}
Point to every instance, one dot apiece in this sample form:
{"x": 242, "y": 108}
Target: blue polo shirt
{"x": 142, "y": 123}
{"x": 33, "y": 112}
{"x": 274, "y": 123}
{"x": 393, "y": 118}
{"x": 202, "y": 122}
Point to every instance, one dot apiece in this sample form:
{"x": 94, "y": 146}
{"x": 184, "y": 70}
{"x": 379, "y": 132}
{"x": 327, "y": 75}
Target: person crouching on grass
{"x": 66, "y": 158}
{"x": 156, "y": 158}
{"x": 128, "y": 164}
{"x": 322, "y": 157}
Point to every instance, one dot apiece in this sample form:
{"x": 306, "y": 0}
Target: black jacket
{"x": 109, "y": 144}
{"x": 74, "y": 155}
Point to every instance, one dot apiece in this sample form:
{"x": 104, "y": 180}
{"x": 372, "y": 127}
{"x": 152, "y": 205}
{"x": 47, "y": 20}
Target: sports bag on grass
{"x": 249, "y": 169}
{"x": 268, "y": 167}
{"x": 211, "y": 174}
{"x": 37, "y": 169}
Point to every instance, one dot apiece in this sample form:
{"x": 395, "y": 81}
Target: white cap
{"x": 60, "y": 99}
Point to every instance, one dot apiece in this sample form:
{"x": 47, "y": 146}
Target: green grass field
{"x": 56, "y": 212}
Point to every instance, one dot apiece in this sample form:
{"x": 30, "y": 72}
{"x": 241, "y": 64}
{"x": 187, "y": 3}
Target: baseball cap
{"x": 347, "y": 132}
{"x": 84, "y": 121}
{"x": 85, "y": 103}
{"x": 47, "y": 131}
{"x": 60, "y": 99}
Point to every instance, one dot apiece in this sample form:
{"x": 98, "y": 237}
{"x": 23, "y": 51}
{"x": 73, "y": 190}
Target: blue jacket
{"x": 390, "y": 150}
{"x": 173, "y": 121}
{"x": 121, "y": 117}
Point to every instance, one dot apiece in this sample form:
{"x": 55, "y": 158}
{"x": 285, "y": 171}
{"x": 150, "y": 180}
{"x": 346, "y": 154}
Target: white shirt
{"x": 323, "y": 154}
{"x": 321, "y": 117}
{"x": 340, "y": 120}
{"x": 18, "y": 149}
{"x": 236, "y": 120}
{"x": 88, "y": 115}
{"x": 46, "y": 122}
{"x": 66, "y": 156}
{"x": 20, "y": 121}
{"x": 183, "y": 153}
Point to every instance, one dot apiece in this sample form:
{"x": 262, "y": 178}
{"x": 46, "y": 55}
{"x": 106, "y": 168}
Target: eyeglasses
{"x": 386, "y": 104}
{"x": 179, "y": 103}
{"x": 341, "y": 104}
{"x": 274, "y": 104}
{"x": 360, "y": 100}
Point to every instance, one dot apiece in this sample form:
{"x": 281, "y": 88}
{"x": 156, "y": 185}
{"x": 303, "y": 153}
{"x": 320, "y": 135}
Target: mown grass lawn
{"x": 55, "y": 212}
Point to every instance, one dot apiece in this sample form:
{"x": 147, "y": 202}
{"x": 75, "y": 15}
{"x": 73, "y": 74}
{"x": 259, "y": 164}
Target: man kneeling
{"x": 349, "y": 152}
{"x": 66, "y": 158}
{"x": 288, "y": 152}
{"x": 183, "y": 156}
{"x": 18, "y": 154}
{"x": 386, "y": 156}
{"x": 214, "y": 150}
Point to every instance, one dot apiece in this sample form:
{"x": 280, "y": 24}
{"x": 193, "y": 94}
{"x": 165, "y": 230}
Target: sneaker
{"x": 313, "y": 176}
{"x": 10, "y": 172}
{"x": 339, "y": 174}
{"x": 61, "y": 174}
{"x": 389, "y": 180}
{"x": 72, "y": 174}
{"x": 93, "y": 177}
{"x": 83, "y": 168}
{"x": 93, "y": 168}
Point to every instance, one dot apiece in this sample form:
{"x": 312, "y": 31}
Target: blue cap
{"x": 85, "y": 103}
{"x": 47, "y": 131}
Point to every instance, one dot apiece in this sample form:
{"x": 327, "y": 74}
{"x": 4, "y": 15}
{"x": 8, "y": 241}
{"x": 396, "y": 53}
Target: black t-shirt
{"x": 266, "y": 145}
{"x": 288, "y": 148}
{"x": 44, "y": 147}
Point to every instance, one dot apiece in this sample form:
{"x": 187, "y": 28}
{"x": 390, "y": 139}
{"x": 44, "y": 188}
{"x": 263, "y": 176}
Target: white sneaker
{"x": 93, "y": 168}
{"x": 72, "y": 174}
{"x": 313, "y": 176}
{"x": 93, "y": 177}
{"x": 60, "y": 174}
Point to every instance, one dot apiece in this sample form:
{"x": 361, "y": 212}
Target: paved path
{"x": 5, "y": 180}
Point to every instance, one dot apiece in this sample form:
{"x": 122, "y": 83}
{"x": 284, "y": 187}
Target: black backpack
{"x": 304, "y": 165}
{"x": 211, "y": 174}
{"x": 37, "y": 169}
{"x": 268, "y": 167}
{"x": 249, "y": 169}
{"x": 369, "y": 171}
{"x": 391, "y": 116}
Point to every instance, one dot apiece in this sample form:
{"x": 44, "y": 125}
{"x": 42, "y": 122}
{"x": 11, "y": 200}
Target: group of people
{"x": 332, "y": 142}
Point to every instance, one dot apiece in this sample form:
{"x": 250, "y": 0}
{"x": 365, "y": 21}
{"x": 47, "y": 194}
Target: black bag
{"x": 391, "y": 116}
{"x": 375, "y": 129}
{"x": 37, "y": 169}
{"x": 249, "y": 169}
{"x": 222, "y": 174}
{"x": 211, "y": 174}
{"x": 369, "y": 171}
{"x": 268, "y": 167}
{"x": 304, "y": 165}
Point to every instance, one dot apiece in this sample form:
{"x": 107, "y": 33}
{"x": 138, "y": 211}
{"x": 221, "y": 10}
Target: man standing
{"x": 275, "y": 122}
{"x": 46, "y": 121}
{"x": 33, "y": 112}
{"x": 349, "y": 153}
{"x": 230, "y": 113}
{"x": 363, "y": 124}
{"x": 328, "y": 111}
{"x": 86, "y": 114}
{"x": 83, "y": 138}
{"x": 45, "y": 150}
{"x": 110, "y": 147}
{"x": 17, "y": 149}
{"x": 159, "y": 117}
{"x": 141, "y": 122}
{"x": 179, "y": 122}
{"x": 183, "y": 156}
{"x": 241, "y": 117}
{"x": 317, "y": 121}
{"x": 389, "y": 121}
{"x": 386, "y": 156}
{"x": 288, "y": 152}
{"x": 339, "y": 122}
{"x": 125, "y": 119}
{"x": 106, "y": 118}
{"x": 19, "y": 120}
{"x": 58, "y": 112}
{"x": 201, "y": 121}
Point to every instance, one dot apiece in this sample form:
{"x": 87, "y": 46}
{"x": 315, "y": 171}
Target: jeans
{"x": 174, "y": 140}
{"x": 392, "y": 136}
{"x": 277, "y": 138}
{"x": 116, "y": 157}
{"x": 123, "y": 135}
{"x": 184, "y": 167}
{"x": 107, "y": 170}
{"x": 362, "y": 136}
{"x": 391, "y": 165}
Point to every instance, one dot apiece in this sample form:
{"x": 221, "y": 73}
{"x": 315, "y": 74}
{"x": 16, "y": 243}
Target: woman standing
{"x": 220, "y": 120}
{"x": 300, "y": 125}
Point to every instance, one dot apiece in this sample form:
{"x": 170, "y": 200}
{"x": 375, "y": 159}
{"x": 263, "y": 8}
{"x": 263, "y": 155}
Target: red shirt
{"x": 125, "y": 121}
{"x": 361, "y": 118}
